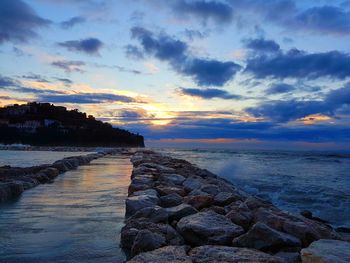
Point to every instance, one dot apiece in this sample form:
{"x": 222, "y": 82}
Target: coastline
{"x": 15, "y": 180}
{"x": 176, "y": 208}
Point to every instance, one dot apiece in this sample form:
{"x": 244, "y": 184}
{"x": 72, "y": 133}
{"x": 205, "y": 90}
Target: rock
{"x": 192, "y": 183}
{"x": 326, "y": 251}
{"x": 154, "y": 214}
{"x": 199, "y": 201}
{"x": 168, "y": 254}
{"x": 208, "y": 228}
{"x": 254, "y": 203}
{"x": 136, "y": 203}
{"x": 180, "y": 211}
{"x": 171, "y": 179}
{"x": 264, "y": 238}
{"x": 305, "y": 229}
{"x": 240, "y": 215}
{"x": 224, "y": 198}
{"x": 134, "y": 187}
{"x": 217, "y": 209}
{"x": 306, "y": 213}
{"x": 218, "y": 254}
{"x": 132, "y": 227}
{"x": 197, "y": 192}
{"x": 150, "y": 192}
{"x": 146, "y": 240}
{"x": 170, "y": 200}
{"x": 210, "y": 189}
{"x": 166, "y": 190}
{"x": 289, "y": 257}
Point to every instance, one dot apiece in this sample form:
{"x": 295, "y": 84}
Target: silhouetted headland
{"x": 49, "y": 125}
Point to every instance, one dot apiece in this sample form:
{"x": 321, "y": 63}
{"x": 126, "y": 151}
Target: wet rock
{"x": 210, "y": 189}
{"x": 180, "y": 211}
{"x": 197, "y": 192}
{"x": 168, "y": 254}
{"x": 136, "y": 203}
{"x": 199, "y": 201}
{"x": 305, "y": 229}
{"x": 170, "y": 200}
{"x": 146, "y": 240}
{"x": 166, "y": 190}
{"x": 254, "y": 203}
{"x": 326, "y": 251}
{"x": 306, "y": 213}
{"x": 134, "y": 187}
{"x": 150, "y": 192}
{"x": 241, "y": 217}
{"x": 208, "y": 228}
{"x": 193, "y": 183}
{"x": 210, "y": 254}
{"x": 289, "y": 257}
{"x": 132, "y": 227}
{"x": 217, "y": 209}
{"x": 171, "y": 179}
{"x": 224, "y": 198}
{"x": 154, "y": 214}
{"x": 265, "y": 238}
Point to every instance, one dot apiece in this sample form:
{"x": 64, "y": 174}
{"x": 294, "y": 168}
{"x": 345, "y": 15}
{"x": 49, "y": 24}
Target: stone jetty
{"x": 177, "y": 212}
{"x": 15, "y": 180}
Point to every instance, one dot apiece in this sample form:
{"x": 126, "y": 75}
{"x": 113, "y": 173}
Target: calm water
{"x": 294, "y": 181}
{"x": 76, "y": 219}
{"x": 31, "y": 158}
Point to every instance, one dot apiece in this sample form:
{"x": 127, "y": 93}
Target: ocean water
{"x": 77, "y": 218}
{"x": 32, "y": 158}
{"x": 293, "y": 181}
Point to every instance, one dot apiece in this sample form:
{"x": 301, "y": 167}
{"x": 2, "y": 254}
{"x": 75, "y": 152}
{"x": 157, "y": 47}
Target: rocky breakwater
{"x": 15, "y": 180}
{"x": 177, "y": 212}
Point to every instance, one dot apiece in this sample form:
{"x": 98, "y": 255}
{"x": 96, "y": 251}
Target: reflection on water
{"x": 32, "y": 158}
{"x": 76, "y": 219}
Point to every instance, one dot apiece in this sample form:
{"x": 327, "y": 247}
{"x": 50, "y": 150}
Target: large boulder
{"x": 170, "y": 200}
{"x": 154, "y": 214}
{"x": 180, "y": 211}
{"x": 208, "y": 227}
{"x": 305, "y": 229}
{"x": 199, "y": 201}
{"x": 171, "y": 179}
{"x": 218, "y": 254}
{"x": 168, "y": 254}
{"x": 225, "y": 198}
{"x": 265, "y": 238}
{"x": 167, "y": 190}
{"x": 327, "y": 251}
{"x": 136, "y": 203}
{"x": 146, "y": 240}
{"x": 192, "y": 183}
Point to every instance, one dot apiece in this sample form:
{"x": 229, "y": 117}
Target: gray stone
{"x": 168, "y": 254}
{"x": 172, "y": 179}
{"x": 224, "y": 198}
{"x": 326, "y": 251}
{"x": 192, "y": 183}
{"x": 265, "y": 238}
{"x": 180, "y": 211}
{"x": 170, "y": 200}
{"x": 223, "y": 254}
{"x": 208, "y": 228}
{"x": 155, "y": 214}
{"x": 136, "y": 203}
{"x": 146, "y": 240}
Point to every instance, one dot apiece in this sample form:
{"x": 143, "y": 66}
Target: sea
{"x": 79, "y": 216}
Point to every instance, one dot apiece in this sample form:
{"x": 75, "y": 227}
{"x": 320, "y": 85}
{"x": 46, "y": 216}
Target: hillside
{"x": 47, "y": 124}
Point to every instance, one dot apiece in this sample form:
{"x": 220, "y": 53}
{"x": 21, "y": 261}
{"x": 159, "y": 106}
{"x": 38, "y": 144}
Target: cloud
{"x": 279, "y": 89}
{"x": 7, "y": 82}
{"x": 119, "y": 68}
{"x": 67, "y": 24}
{"x": 69, "y": 65}
{"x": 299, "y": 64}
{"x": 262, "y": 45}
{"x": 89, "y": 45}
{"x": 133, "y": 52}
{"x": 289, "y": 110}
{"x": 86, "y": 98}
{"x": 209, "y": 93}
{"x": 219, "y": 12}
{"x": 205, "y": 72}
{"x": 18, "y": 21}
{"x": 35, "y": 77}
{"x": 192, "y": 34}
{"x": 324, "y": 19}
{"x": 66, "y": 81}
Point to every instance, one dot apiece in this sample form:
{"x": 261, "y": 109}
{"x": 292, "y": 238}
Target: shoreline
{"x": 62, "y": 148}
{"x": 176, "y": 208}
{"x": 15, "y": 180}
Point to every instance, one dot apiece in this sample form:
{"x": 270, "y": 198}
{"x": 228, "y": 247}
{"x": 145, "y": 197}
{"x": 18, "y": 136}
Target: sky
{"x": 215, "y": 73}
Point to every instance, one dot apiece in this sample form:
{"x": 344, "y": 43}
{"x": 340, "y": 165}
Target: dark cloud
{"x": 35, "y": 77}
{"x": 299, "y": 64}
{"x": 209, "y": 93}
{"x": 209, "y": 72}
{"x": 7, "y": 82}
{"x": 206, "y": 72}
{"x": 69, "y": 65}
{"x": 88, "y": 45}
{"x": 219, "y": 12}
{"x": 324, "y": 19}
{"x": 133, "y": 52}
{"x": 119, "y": 68}
{"x": 86, "y": 98}
{"x": 18, "y": 21}
{"x": 279, "y": 89}
{"x": 67, "y": 24}
{"x": 288, "y": 110}
{"x": 193, "y": 34}
{"x": 66, "y": 81}
{"x": 262, "y": 45}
